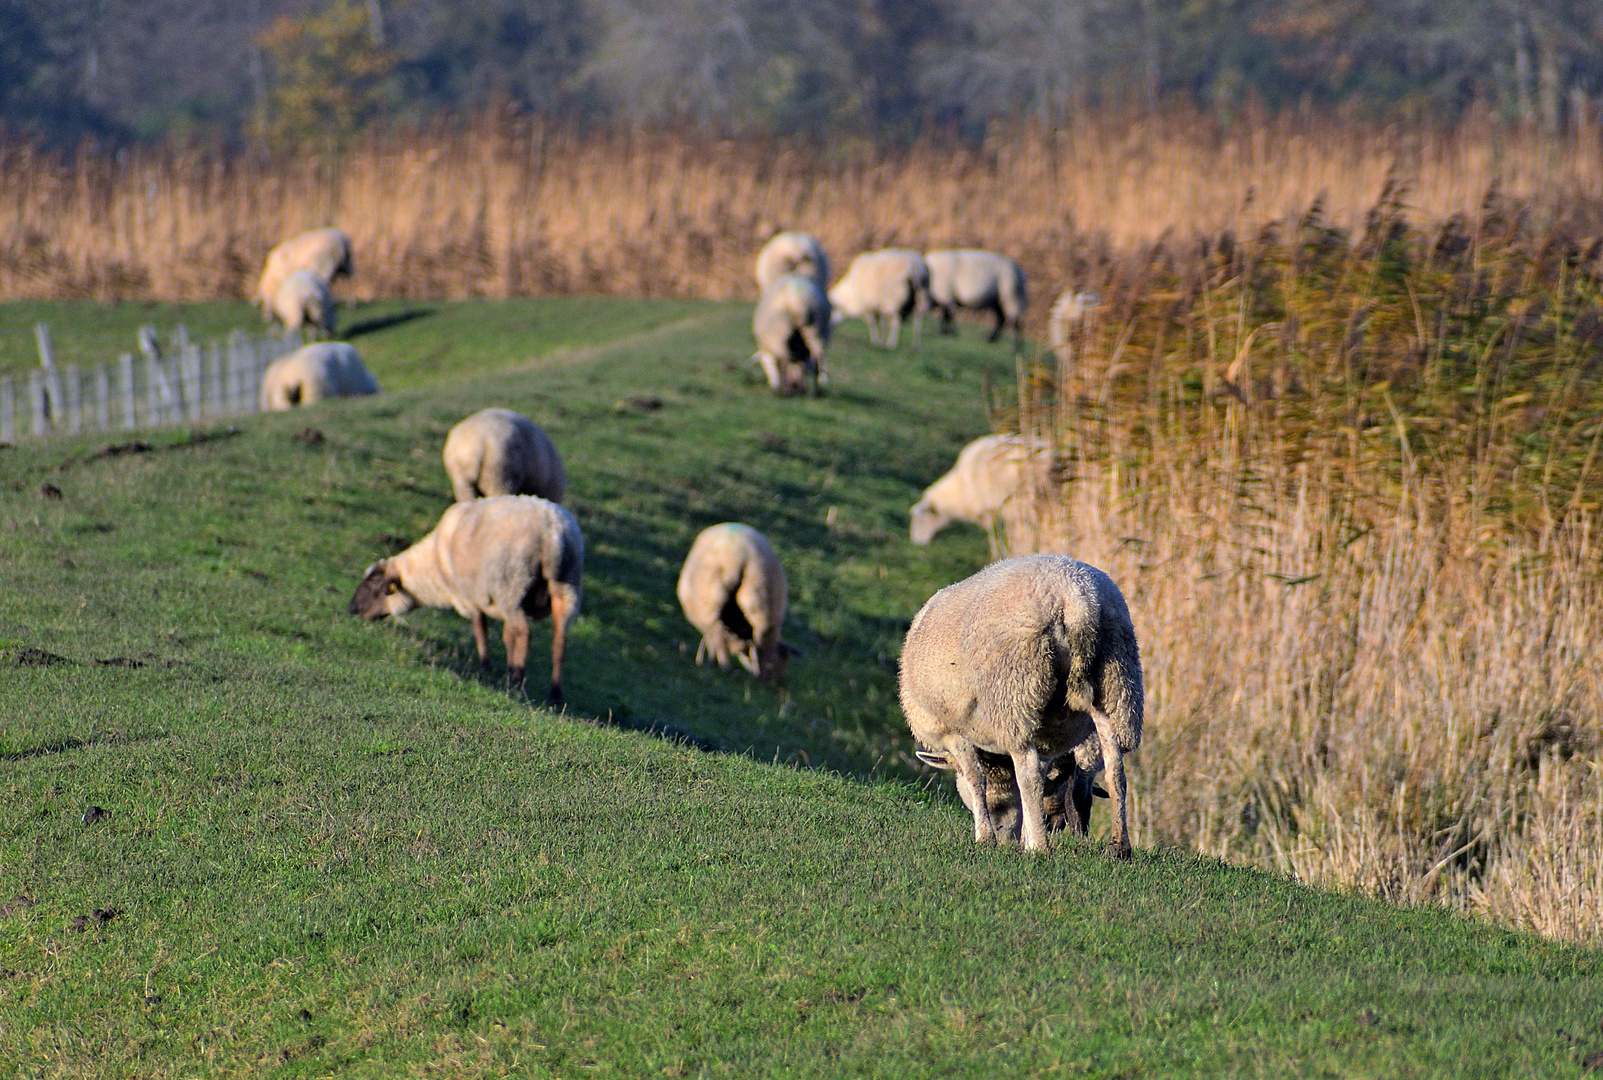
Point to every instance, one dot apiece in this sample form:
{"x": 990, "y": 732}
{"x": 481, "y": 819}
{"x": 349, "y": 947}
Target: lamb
{"x": 325, "y": 252}
{"x": 304, "y": 299}
{"x": 1031, "y": 658}
{"x": 499, "y": 452}
{"x": 314, "y": 372}
{"x": 989, "y": 481}
{"x": 791, "y": 253}
{"x": 733, "y": 590}
{"x": 889, "y": 284}
{"x": 791, "y": 325}
{"x": 981, "y": 281}
{"x": 512, "y": 558}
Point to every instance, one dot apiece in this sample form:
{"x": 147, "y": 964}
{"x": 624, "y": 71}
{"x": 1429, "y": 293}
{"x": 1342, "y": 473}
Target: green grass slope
{"x": 335, "y": 847}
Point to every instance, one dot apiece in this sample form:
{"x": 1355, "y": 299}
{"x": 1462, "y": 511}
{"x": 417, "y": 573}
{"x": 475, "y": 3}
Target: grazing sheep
{"x": 1069, "y": 313}
{"x": 1066, "y": 785}
{"x": 733, "y": 590}
{"x": 304, "y": 299}
{"x": 981, "y": 281}
{"x": 325, "y": 252}
{"x": 986, "y": 486}
{"x": 513, "y": 558}
{"x": 889, "y": 284}
{"x": 791, "y": 325}
{"x": 314, "y": 372}
{"x": 791, "y": 253}
{"x": 1030, "y": 658}
{"x": 499, "y": 452}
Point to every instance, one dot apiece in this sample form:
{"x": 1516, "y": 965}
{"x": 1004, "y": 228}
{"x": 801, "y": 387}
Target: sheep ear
{"x": 935, "y": 759}
{"x": 372, "y": 587}
{"x": 1096, "y": 789}
{"x": 788, "y": 650}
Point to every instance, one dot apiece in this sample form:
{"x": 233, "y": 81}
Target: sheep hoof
{"x": 1119, "y": 851}
{"x": 554, "y": 697}
{"x": 514, "y": 678}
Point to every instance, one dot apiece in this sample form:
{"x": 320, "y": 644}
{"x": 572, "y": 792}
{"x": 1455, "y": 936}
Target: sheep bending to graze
{"x": 499, "y": 452}
{"x": 791, "y": 325}
{"x": 1067, "y": 784}
{"x": 733, "y": 590}
{"x": 512, "y": 558}
{"x": 314, "y": 372}
{"x": 325, "y": 252}
{"x": 987, "y": 486}
{"x": 791, "y": 253}
{"x": 890, "y": 284}
{"x": 1031, "y": 658}
{"x": 303, "y": 300}
{"x": 980, "y": 281}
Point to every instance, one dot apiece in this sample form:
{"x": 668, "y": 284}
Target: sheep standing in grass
{"x": 979, "y": 281}
{"x": 512, "y": 558}
{"x": 499, "y": 452}
{"x": 890, "y": 285}
{"x": 304, "y": 300}
{"x": 325, "y": 252}
{"x": 314, "y": 372}
{"x": 733, "y": 590}
{"x": 1067, "y": 784}
{"x": 791, "y": 253}
{"x": 989, "y": 486}
{"x": 1029, "y": 658}
{"x": 791, "y": 325}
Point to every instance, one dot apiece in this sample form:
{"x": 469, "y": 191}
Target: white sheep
{"x": 979, "y": 281}
{"x": 313, "y": 372}
{"x": 304, "y": 300}
{"x": 890, "y": 284}
{"x": 1031, "y": 658}
{"x": 500, "y": 452}
{"x": 732, "y": 588}
{"x": 1069, "y": 315}
{"x": 512, "y": 558}
{"x": 791, "y": 253}
{"x": 792, "y": 325}
{"x": 991, "y": 485}
{"x": 325, "y": 252}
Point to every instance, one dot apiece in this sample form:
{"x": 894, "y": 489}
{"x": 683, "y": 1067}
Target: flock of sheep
{"x": 1024, "y": 679}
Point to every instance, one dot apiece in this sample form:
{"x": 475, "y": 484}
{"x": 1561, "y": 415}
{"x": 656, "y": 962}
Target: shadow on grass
{"x": 385, "y": 322}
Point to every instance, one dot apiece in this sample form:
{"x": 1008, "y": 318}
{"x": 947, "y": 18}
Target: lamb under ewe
{"x": 1030, "y": 658}
{"x": 513, "y": 558}
{"x": 791, "y": 253}
{"x": 979, "y": 281}
{"x": 500, "y": 452}
{"x": 304, "y": 300}
{"x": 325, "y": 252}
{"x": 733, "y": 590}
{"x": 889, "y": 284}
{"x": 791, "y": 325}
{"x": 314, "y": 372}
{"x": 987, "y": 487}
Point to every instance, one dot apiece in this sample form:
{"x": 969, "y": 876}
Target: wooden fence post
{"x": 74, "y": 400}
{"x": 55, "y": 406}
{"x": 36, "y": 399}
{"x": 8, "y": 411}
{"x": 125, "y": 366}
{"x": 102, "y": 398}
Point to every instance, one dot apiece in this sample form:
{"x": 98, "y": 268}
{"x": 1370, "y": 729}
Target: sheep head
{"x": 927, "y": 521}
{"x": 380, "y": 593}
{"x": 1002, "y": 792}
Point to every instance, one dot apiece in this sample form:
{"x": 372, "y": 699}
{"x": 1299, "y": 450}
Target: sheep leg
{"x": 1080, "y": 792}
{"x": 561, "y": 616}
{"x": 1027, "y": 774}
{"x": 481, "y": 639}
{"x": 1001, "y": 324}
{"x": 873, "y": 327}
{"x": 896, "y": 329}
{"x": 948, "y": 323}
{"x": 971, "y": 773}
{"x": 1113, "y": 769}
{"x": 515, "y": 632}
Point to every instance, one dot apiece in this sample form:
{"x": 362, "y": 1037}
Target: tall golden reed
{"x": 509, "y": 206}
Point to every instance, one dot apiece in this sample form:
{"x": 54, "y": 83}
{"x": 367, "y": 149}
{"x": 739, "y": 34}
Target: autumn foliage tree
{"x": 330, "y": 75}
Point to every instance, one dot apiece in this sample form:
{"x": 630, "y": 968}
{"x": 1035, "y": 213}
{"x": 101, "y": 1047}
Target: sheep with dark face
{"x": 1030, "y": 658}
{"x": 1067, "y": 788}
{"x": 791, "y": 253}
{"x": 978, "y": 281}
{"x": 512, "y": 558}
{"x": 732, "y": 588}
{"x": 500, "y": 452}
{"x": 311, "y": 373}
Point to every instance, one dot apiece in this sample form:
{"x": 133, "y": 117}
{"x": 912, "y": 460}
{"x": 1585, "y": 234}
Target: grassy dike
{"x": 335, "y": 848}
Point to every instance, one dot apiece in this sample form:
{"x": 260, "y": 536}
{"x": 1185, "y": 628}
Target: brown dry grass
{"x": 1350, "y": 485}
{"x": 505, "y": 206}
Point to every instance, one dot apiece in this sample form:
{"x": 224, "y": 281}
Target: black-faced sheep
{"x": 791, "y": 253}
{"x": 1029, "y": 658}
{"x": 500, "y": 452}
{"x": 512, "y": 558}
{"x": 890, "y": 285}
{"x": 791, "y": 325}
{"x": 988, "y": 486}
{"x": 732, "y": 588}
{"x": 313, "y": 372}
{"x": 325, "y": 252}
{"x": 978, "y": 281}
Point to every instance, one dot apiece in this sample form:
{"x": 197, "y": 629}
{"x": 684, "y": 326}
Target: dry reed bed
{"x": 507, "y": 206}
{"x": 1351, "y": 487}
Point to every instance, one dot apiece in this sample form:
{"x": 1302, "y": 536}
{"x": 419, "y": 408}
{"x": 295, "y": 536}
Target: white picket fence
{"x": 182, "y": 384}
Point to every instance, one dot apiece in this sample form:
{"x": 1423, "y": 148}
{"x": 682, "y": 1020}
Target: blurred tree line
{"x": 281, "y": 69}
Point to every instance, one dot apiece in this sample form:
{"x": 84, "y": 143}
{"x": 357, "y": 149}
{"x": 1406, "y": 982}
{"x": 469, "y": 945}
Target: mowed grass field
{"x": 330, "y": 847}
